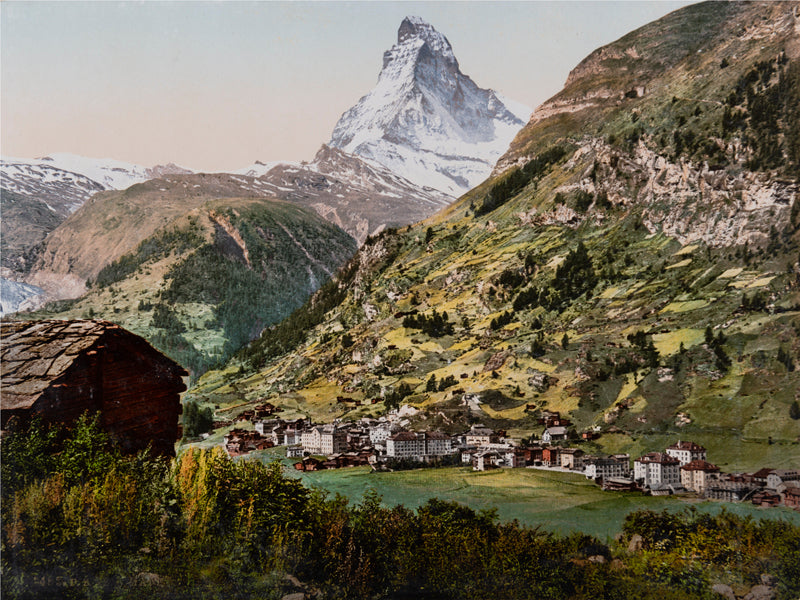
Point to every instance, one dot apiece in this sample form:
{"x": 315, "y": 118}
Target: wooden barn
{"x": 60, "y": 369}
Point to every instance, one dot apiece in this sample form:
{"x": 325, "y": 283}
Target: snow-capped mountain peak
{"x": 417, "y": 31}
{"x": 425, "y": 119}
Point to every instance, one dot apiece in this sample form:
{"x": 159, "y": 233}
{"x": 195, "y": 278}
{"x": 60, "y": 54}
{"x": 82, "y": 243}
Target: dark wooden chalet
{"x": 59, "y": 370}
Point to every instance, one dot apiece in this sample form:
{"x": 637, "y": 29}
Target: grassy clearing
{"x": 670, "y": 343}
{"x": 684, "y": 263}
{"x": 681, "y": 307}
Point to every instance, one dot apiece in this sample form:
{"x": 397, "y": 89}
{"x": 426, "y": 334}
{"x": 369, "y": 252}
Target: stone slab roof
{"x": 34, "y": 354}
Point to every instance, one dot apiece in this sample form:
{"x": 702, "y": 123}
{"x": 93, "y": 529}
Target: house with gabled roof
{"x": 478, "y": 435}
{"x": 778, "y": 477}
{"x": 59, "y": 370}
{"x": 552, "y": 434}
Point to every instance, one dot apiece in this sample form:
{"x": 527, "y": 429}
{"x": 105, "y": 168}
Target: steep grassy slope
{"x": 633, "y": 263}
{"x": 208, "y": 282}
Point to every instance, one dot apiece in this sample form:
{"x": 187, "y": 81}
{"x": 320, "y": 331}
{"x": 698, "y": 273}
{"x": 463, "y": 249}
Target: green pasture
{"x": 555, "y": 501}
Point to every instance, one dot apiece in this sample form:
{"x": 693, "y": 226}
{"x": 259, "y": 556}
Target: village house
{"x": 325, "y": 439}
{"x": 438, "y": 444}
{"x": 478, "y": 435}
{"x": 729, "y": 487}
{"x": 696, "y": 474}
{"x": 553, "y": 434}
{"x": 619, "y": 484}
{"x": 406, "y": 444}
{"x": 657, "y": 470}
{"x": 59, "y": 370}
{"x": 534, "y": 454}
{"x": 333, "y": 439}
{"x": 467, "y": 453}
{"x": 311, "y": 440}
{"x": 759, "y": 478}
{"x": 514, "y": 458}
{"x": 294, "y": 451}
{"x": 571, "y": 458}
{"x": 240, "y": 441}
{"x": 358, "y": 438}
{"x": 778, "y": 477}
{"x": 309, "y": 463}
{"x": 550, "y": 456}
{"x": 419, "y": 445}
{"x": 381, "y": 432}
{"x": 553, "y": 419}
{"x": 612, "y": 467}
{"x": 686, "y": 452}
{"x": 791, "y": 494}
{"x": 766, "y": 498}
{"x": 485, "y": 460}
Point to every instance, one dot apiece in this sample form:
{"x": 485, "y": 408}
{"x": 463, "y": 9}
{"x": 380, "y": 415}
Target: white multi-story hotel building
{"x": 657, "y": 469}
{"x": 686, "y": 452}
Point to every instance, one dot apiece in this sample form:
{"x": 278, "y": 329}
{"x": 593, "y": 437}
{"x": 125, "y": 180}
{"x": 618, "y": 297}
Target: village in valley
{"x": 386, "y": 443}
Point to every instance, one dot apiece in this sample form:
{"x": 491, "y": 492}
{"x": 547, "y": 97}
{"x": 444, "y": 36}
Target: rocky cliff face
{"x": 687, "y": 201}
{"x": 425, "y": 119}
{"x": 681, "y": 128}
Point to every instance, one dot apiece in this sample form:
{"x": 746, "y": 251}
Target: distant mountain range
{"x": 197, "y": 264}
{"x": 363, "y": 191}
{"x": 361, "y": 197}
{"x": 39, "y": 194}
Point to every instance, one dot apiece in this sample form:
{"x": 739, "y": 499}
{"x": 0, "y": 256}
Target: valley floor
{"x": 558, "y": 502}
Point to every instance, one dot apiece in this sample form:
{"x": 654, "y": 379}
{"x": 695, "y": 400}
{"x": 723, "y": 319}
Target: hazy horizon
{"x": 218, "y": 85}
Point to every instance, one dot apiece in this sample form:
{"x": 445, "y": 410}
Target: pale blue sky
{"x": 218, "y": 85}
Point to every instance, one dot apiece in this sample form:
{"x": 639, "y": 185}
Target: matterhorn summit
{"x": 427, "y": 121}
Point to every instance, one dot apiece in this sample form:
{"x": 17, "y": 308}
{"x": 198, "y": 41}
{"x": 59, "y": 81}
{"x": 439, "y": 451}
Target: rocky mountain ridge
{"x": 361, "y": 197}
{"x": 37, "y": 195}
{"x": 113, "y": 223}
{"x": 109, "y": 174}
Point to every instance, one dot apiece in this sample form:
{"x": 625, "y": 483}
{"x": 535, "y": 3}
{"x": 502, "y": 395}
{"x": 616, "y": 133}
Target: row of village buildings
{"x": 682, "y": 467}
